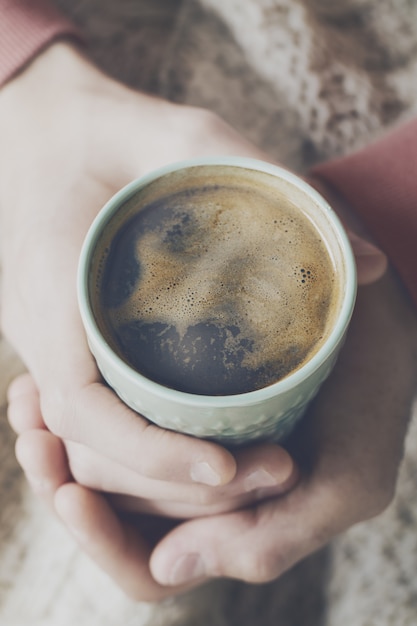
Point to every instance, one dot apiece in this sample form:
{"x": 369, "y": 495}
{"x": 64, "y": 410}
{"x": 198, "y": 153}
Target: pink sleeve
{"x": 380, "y": 183}
{"x": 26, "y": 27}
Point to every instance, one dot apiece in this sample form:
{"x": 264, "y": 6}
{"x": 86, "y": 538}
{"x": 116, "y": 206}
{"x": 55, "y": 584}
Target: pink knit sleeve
{"x": 26, "y": 27}
{"x": 380, "y": 183}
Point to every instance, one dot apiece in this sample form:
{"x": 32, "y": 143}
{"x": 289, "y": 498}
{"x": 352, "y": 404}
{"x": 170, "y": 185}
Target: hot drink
{"x": 212, "y": 281}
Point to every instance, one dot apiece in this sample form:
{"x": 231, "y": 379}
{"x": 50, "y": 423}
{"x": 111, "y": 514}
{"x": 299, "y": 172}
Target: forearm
{"x": 380, "y": 184}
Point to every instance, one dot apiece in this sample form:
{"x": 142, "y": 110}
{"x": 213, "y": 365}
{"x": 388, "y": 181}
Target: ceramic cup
{"x": 270, "y": 412}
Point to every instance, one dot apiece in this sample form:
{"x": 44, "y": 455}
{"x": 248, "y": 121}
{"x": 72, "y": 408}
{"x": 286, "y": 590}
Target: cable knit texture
{"x": 307, "y": 80}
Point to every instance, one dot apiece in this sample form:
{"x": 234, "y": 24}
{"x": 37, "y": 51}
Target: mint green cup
{"x": 267, "y": 413}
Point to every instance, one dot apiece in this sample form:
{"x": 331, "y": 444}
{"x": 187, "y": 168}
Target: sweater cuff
{"x": 380, "y": 184}
{"x": 26, "y": 28}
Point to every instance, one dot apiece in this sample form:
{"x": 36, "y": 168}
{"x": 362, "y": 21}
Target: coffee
{"x": 211, "y": 281}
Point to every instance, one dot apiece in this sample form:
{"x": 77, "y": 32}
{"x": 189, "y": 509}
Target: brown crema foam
{"x": 212, "y": 281}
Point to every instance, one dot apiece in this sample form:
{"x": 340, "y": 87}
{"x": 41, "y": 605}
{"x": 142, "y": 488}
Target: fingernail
{"x": 202, "y": 472}
{"x": 258, "y": 479}
{"x": 187, "y": 568}
{"x": 362, "y": 247}
{"x": 371, "y": 262}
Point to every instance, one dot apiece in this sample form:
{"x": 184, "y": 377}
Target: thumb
{"x": 371, "y": 262}
{"x": 255, "y": 545}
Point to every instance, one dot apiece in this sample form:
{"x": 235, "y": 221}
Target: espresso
{"x": 210, "y": 281}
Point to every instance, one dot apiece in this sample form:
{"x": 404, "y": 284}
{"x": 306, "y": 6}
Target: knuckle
{"x": 22, "y": 447}
{"x": 65, "y": 406}
{"x": 159, "y": 453}
{"x": 58, "y": 411}
{"x": 152, "y": 451}
{"x": 259, "y": 567}
{"x": 382, "y": 496}
{"x": 207, "y": 497}
{"x": 378, "y": 490}
{"x": 201, "y": 125}
{"x": 80, "y": 465}
{"x": 259, "y": 562}
{"x": 202, "y": 119}
{"x": 149, "y": 441}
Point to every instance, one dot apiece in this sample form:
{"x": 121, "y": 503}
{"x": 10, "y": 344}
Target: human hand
{"x": 348, "y": 449}
{"x": 69, "y": 171}
{"x": 70, "y": 138}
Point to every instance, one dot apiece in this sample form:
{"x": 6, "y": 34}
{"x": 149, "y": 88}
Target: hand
{"x": 71, "y": 137}
{"x": 67, "y": 170}
{"x": 348, "y": 449}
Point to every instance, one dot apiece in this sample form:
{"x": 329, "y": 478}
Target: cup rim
{"x": 99, "y": 344}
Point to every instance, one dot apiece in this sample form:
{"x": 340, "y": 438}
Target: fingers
{"x": 115, "y": 546}
{"x": 353, "y": 438}
{"x": 247, "y": 545}
{"x": 262, "y": 471}
{"x": 42, "y": 457}
{"x": 23, "y": 410}
{"x": 371, "y": 262}
{"x": 255, "y": 545}
{"x": 154, "y": 452}
{"x": 75, "y": 405}
{"x": 94, "y": 416}
{"x": 266, "y": 466}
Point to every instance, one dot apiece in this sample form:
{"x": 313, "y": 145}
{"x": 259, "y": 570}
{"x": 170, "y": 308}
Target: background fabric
{"x": 306, "y": 81}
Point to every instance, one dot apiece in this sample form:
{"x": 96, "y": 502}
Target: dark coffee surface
{"x": 215, "y": 290}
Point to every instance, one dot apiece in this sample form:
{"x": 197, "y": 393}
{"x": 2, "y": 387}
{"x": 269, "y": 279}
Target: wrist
{"x": 35, "y": 108}
{"x": 58, "y": 78}
{"x": 26, "y": 28}
{"x": 60, "y": 65}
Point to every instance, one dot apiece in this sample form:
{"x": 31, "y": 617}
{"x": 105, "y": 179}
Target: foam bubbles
{"x": 236, "y": 263}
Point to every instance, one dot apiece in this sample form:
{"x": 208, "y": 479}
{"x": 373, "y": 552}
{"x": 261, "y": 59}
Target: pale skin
{"x": 73, "y": 138}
